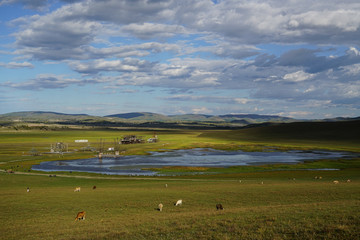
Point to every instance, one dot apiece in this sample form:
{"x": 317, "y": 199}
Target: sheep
{"x": 94, "y": 187}
{"x": 160, "y": 207}
{"x": 28, "y": 189}
{"x": 336, "y": 182}
{"x": 219, "y": 206}
{"x": 166, "y": 185}
{"x": 348, "y": 180}
{"x": 77, "y": 189}
{"x": 179, "y": 202}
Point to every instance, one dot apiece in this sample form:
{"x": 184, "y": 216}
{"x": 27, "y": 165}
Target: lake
{"x": 201, "y": 157}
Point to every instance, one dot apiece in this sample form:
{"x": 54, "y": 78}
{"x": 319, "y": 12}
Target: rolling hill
{"x": 42, "y": 115}
{"x": 229, "y": 118}
{"x": 154, "y": 120}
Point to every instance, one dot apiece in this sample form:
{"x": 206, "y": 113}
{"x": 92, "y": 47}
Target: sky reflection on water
{"x": 132, "y": 165}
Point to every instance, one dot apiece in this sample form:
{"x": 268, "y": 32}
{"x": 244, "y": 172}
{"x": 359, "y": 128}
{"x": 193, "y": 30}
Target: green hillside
{"x": 340, "y": 135}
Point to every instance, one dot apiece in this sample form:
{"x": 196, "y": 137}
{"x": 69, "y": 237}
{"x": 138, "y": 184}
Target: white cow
{"x": 77, "y": 189}
{"x": 179, "y": 202}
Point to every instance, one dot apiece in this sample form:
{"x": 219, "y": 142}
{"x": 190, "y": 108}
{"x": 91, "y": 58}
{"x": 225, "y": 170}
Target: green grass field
{"x": 280, "y": 208}
{"x": 259, "y": 203}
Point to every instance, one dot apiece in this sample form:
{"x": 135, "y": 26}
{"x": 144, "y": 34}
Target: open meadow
{"x": 266, "y": 202}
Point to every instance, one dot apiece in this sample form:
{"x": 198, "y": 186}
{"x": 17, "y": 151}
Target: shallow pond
{"x": 200, "y": 157}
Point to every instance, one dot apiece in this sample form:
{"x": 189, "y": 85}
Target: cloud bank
{"x": 273, "y": 52}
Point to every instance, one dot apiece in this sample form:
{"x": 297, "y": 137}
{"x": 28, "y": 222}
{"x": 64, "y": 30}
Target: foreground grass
{"x": 280, "y": 208}
{"x": 260, "y": 202}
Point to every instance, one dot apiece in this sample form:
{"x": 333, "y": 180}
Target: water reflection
{"x": 133, "y": 165}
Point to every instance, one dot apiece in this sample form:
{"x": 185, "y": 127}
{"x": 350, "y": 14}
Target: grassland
{"x": 125, "y": 208}
{"x": 259, "y": 202}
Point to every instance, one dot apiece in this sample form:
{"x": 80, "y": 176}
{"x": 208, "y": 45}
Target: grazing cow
{"x": 80, "y": 216}
{"x": 94, "y": 187}
{"x": 179, "y": 202}
{"x": 160, "y": 207}
{"x": 219, "y": 206}
{"x": 336, "y": 182}
{"x": 77, "y": 189}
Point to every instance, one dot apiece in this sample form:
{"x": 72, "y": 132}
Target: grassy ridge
{"x": 326, "y": 135}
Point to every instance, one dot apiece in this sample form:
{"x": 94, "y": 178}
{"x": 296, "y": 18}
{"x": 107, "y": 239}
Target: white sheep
{"x": 336, "y": 182}
{"x": 179, "y": 202}
{"x": 160, "y": 207}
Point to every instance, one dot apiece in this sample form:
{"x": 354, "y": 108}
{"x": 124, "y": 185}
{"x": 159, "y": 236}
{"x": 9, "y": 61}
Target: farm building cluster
{"x": 132, "y": 139}
{"x": 61, "y": 147}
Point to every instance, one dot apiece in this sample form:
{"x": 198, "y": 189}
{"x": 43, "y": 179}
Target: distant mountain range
{"x": 147, "y": 117}
{"x": 42, "y": 115}
{"x": 230, "y": 118}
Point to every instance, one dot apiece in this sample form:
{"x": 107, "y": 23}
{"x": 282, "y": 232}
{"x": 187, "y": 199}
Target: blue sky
{"x": 297, "y": 58}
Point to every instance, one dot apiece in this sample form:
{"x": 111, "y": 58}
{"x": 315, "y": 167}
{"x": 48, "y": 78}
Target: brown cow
{"x": 94, "y": 187}
{"x": 80, "y": 216}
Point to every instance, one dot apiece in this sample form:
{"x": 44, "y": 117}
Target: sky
{"x": 293, "y": 58}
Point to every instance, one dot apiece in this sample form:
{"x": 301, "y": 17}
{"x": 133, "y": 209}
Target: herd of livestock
{"x": 81, "y": 215}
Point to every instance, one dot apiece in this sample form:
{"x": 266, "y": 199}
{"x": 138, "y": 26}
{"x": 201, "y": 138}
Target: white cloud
{"x": 352, "y": 70}
{"x": 176, "y": 71}
{"x": 127, "y": 65}
{"x": 354, "y": 51}
{"x": 13, "y": 65}
{"x": 298, "y": 76}
{"x": 32, "y": 4}
{"x": 201, "y": 110}
{"x": 183, "y": 46}
{"x": 154, "y": 30}
{"x": 47, "y": 81}
{"x": 242, "y": 100}
{"x": 208, "y": 99}
{"x": 296, "y": 114}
